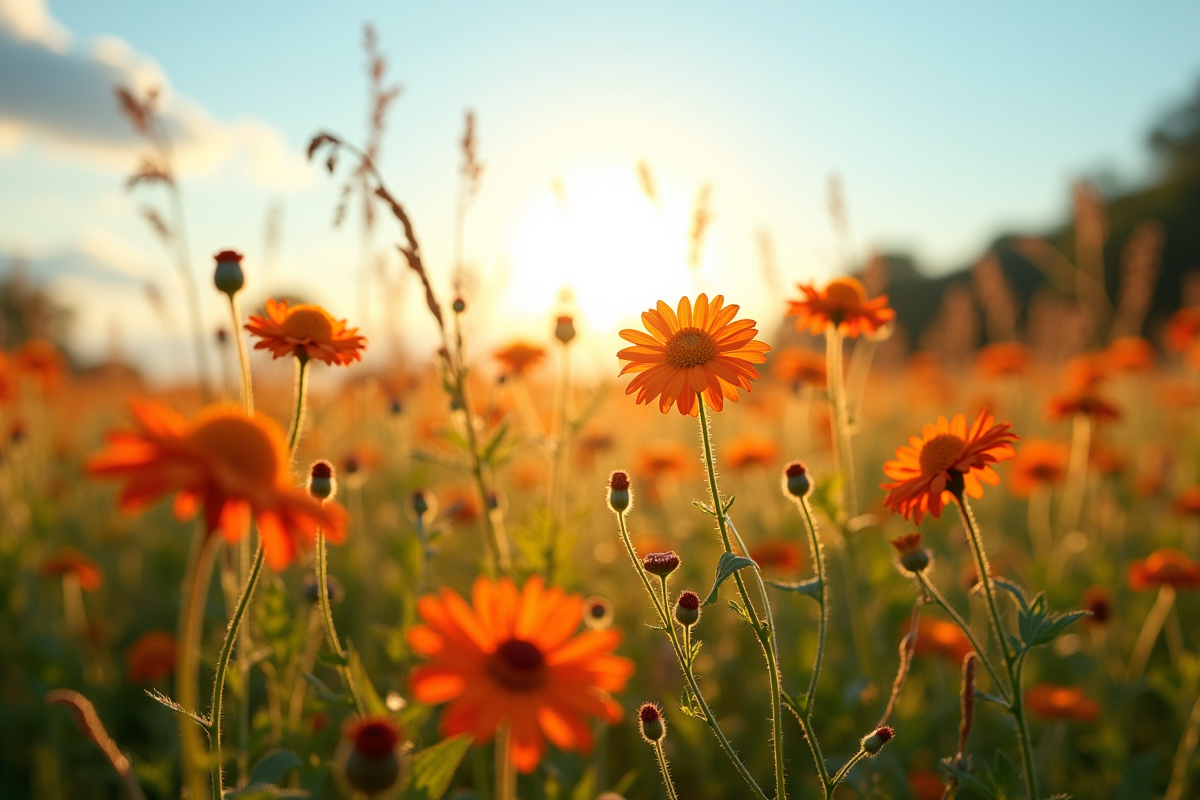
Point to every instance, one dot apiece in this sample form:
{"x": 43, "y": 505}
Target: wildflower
{"x": 750, "y": 450}
{"x": 843, "y": 304}
{"x": 873, "y": 742}
{"x": 796, "y": 480}
{"x": 800, "y": 366}
{"x": 942, "y": 638}
{"x": 619, "y": 496}
{"x": 948, "y": 459}
{"x": 661, "y": 564}
{"x": 234, "y": 465}
{"x": 1105, "y": 459}
{"x": 692, "y": 350}
{"x": 663, "y": 459}
{"x": 371, "y": 760}
{"x": 459, "y": 305}
{"x": 925, "y": 784}
{"x": 1051, "y": 702}
{"x": 228, "y": 276}
{"x": 1098, "y": 600}
{"x": 1038, "y": 463}
{"x": 1165, "y": 567}
{"x": 460, "y": 505}
{"x": 1087, "y": 372}
{"x": 1183, "y": 329}
{"x": 423, "y": 502}
{"x": 687, "y": 608}
{"x": 1002, "y": 358}
{"x": 519, "y": 357}
{"x": 41, "y": 360}
{"x": 151, "y": 657}
{"x": 306, "y": 331}
{"x": 651, "y": 722}
{"x": 777, "y": 554}
{"x": 911, "y": 557}
{"x": 1067, "y": 405}
{"x": 69, "y": 561}
{"x": 1188, "y": 501}
{"x": 1130, "y": 354}
{"x": 8, "y": 380}
{"x": 512, "y": 659}
{"x": 597, "y": 613}
{"x": 321, "y": 482}
{"x": 564, "y": 329}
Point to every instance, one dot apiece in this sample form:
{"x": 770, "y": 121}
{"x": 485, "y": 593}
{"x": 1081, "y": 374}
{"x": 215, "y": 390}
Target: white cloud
{"x": 59, "y": 96}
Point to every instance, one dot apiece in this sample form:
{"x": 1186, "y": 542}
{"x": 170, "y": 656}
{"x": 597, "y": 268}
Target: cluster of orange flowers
{"x": 37, "y": 360}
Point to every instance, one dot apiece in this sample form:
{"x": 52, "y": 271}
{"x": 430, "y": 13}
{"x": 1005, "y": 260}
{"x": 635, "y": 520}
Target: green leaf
{"x": 273, "y": 766}
{"x": 809, "y": 588}
{"x": 586, "y": 788}
{"x": 728, "y": 564}
{"x": 362, "y": 681}
{"x": 433, "y": 768}
{"x": 264, "y": 791}
{"x": 325, "y": 693}
{"x": 333, "y": 659}
{"x": 703, "y": 507}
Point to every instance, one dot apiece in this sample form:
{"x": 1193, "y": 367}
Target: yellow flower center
{"x": 690, "y": 347}
{"x": 518, "y": 665}
{"x": 240, "y": 443}
{"x": 846, "y": 294}
{"x": 309, "y": 322}
{"x": 940, "y": 453}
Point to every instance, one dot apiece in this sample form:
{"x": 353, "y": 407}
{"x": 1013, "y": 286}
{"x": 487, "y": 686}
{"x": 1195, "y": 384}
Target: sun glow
{"x": 600, "y": 233}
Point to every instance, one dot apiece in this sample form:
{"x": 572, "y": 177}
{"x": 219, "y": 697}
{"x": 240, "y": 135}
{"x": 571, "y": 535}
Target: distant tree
{"x": 1176, "y": 138}
{"x": 27, "y": 311}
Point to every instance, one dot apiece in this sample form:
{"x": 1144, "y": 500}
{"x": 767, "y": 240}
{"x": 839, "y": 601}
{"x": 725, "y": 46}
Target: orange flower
{"x": 306, "y": 330}
{"x": 750, "y": 450}
{"x": 667, "y": 458}
{"x": 1188, "y": 501}
{"x": 8, "y": 380}
{"x": 72, "y": 561}
{"x": 689, "y": 351}
{"x": 1065, "y": 406}
{"x": 1051, "y": 702}
{"x": 1038, "y": 463}
{"x": 512, "y": 658}
{"x": 1002, "y": 358}
{"x": 1085, "y": 373}
{"x": 42, "y": 360}
{"x": 925, "y": 784}
{"x": 946, "y": 455}
{"x": 1165, "y": 567}
{"x": 460, "y": 504}
{"x": 1105, "y": 459}
{"x": 518, "y": 357}
{"x": 1130, "y": 354}
{"x": 842, "y": 303}
{"x": 777, "y": 554}
{"x": 799, "y": 366}
{"x": 235, "y": 466}
{"x": 1183, "y": 329}
{"x": 151, "y": 658}
{"x": 939, "y": 637}
{"x": 1098, "y": 600}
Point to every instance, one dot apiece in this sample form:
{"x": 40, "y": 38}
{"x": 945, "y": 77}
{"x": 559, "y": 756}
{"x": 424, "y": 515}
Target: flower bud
{"x": 312, "y": 589}
{"x": 911, "y": 557}
{"x": 687, "y": 608}
{"x": 372, "y": 762}
{"x": 420, "y": 502}
{"x": 459, "y": 305}
{"x": 795, "y": 479}
{"x": 597, "y": 613}
{"x": 654, "y": 727}
{"x": 564, "y": 329}
{"x": 228, "y": 276}
{"x": 618, "y": 492}
{"x": 321, "y": 483}
{"x": 661, "y": 564}
{"x": 873, "y": 742}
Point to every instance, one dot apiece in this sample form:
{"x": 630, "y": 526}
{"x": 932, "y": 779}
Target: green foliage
{"x": 433, "y": 768}
{"x": 727, "y": 564}
{"x": 1035, "y": 625}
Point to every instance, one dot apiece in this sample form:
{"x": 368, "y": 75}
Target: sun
{"x": 599, "y": 233}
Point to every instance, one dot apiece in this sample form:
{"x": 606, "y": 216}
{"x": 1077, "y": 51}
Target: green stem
{"x": 330, "y": 631}
{"x": 836, "y": 380}
{"x": 1015, "y": 663}
{"x": 845, "y": 770}
{"x": 684, "y": 659}
{"x": 231, "y": 634}
{"x": 506, "y": 776}
{"x": 297, "y": 425}
{"x": 235, "y": 313}
{"x": 818, "y": 557}
{"x": 202, "y": 557}
{"x": 766, "y": 640}
{"x": 665, "y": 769}
{"x": 814, "y": 747}
{"x": 937, "y": 597}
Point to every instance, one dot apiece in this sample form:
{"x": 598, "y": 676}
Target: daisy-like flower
{"x": 800, "y": 366}
{"x": 1130, "y": 354}
{"x": 306, "y": 331}
{"x": 1184, "y": 328}
{"x": 778, "y": 555}
{"x": 691, "y": 350}
{"x": 151, "y": 658}
{"x": 948, "y": 457}
{"x": 1051, "y": 702}
{"x": 1165, "y": 567}
{"x": 234, "y": 465}
{"x": 1065, "y": 406}
{"x": 939, "y": 637}
{"x": 664, "y": 459}
{"x": 1002, "y": 358}
{"x": 750, "y": 450}
{"x": 70, "y": 561}
{"x": 42, "y": 361}
{"x": 519, "y": 357}
{"x": 1038, "y": 463}
{"x": 514, "y": 658}
{"x": 843, "y": 304}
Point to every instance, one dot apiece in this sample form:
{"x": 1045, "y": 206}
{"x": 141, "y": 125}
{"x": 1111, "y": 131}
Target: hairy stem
{"x": 331, "y": 636}
{"x": 665, "y": 769}
{"x": 937, "y": 597}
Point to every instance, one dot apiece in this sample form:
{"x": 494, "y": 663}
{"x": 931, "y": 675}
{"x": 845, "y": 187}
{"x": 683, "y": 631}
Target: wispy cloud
{"x": 57, "y": 94}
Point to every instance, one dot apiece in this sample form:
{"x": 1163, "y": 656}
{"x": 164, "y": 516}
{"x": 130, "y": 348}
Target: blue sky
{"x": 947, "y": 123}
